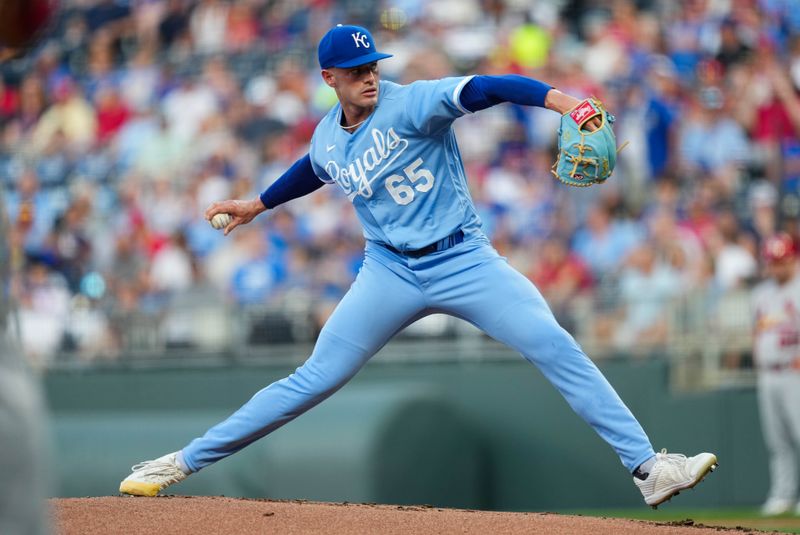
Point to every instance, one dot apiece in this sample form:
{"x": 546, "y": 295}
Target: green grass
{"x": 728, "y": 517}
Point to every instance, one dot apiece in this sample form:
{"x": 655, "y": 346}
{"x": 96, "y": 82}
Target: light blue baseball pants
{"x": 469, "y": 281}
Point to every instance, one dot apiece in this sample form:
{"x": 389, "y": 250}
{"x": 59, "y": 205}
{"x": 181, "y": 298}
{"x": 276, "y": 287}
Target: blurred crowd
{"x": 134, "y": 115}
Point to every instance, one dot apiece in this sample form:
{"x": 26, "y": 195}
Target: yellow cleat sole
{"x": 138, "y": 488}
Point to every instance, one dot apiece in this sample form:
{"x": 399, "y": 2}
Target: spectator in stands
{"x": 732, "y": 49}
{"x": 34, "y": 211}
{"x": 605, "y": 241}
{"x": 9, "y": 101}
{"x": 647, "y": 286}
{"x": 71, "y": 244}
{"x": 70, "y": 115}
{"x": 139, "y": 82}
{"x": 172, "y": 271}
{"x": 101, "y": 63}
{"x": 712, "y": 144}
{"x": 242, "y": 30}
{"x": 209, "y": 26}
{"x": 762, "y": 220}
{"x": 160, "y": 153}
{"x": 174, "y": 23}
{"x": 678, "y": 246}
{"x": 256, "y": 278}
{"x": 733, "y": 253}
{"x": 43, "y": 298}
{"x": 187, "y": 107}
{"x": 32, "y": 103}
{"x": 112, "y": 113}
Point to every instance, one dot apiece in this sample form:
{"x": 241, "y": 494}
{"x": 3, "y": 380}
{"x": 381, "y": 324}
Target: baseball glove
{"x": 585, "y": 158}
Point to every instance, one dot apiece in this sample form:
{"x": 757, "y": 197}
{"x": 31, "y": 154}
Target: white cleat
{"x": 672, "y": 473}
{"x": 776, "y": 507}
{"x": 151, "y": 477}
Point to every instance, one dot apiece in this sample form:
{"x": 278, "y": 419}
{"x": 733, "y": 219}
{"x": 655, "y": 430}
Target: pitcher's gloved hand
{"x": 587, "y": 147}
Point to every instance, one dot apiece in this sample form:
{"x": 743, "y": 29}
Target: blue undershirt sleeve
{"x": 483, "y": 91}
{"x": 297, "y": 181}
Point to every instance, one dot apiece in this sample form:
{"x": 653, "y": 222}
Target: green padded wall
{"x": 490, "y": 435}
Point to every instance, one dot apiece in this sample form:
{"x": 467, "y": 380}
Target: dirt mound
{"x": 177, "y": 515}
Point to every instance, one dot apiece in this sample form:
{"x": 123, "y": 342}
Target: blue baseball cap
{"x": 347, "y": 46}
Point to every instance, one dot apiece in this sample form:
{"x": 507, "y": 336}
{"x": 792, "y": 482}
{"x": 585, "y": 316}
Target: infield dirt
{"x": 178, "y": 515}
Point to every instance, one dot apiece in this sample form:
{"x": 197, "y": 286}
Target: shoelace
{"x": 152, "y": 468}
{"x": 677, "y": 460}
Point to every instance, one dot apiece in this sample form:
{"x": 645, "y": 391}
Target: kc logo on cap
{"x": 360, "y": 40}
{"x": 346, "y": 47}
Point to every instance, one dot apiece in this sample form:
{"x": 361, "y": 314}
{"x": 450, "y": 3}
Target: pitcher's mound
{"x": 176, "y": 515}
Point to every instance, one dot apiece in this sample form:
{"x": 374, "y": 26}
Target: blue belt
{"x": 445, "y": 243}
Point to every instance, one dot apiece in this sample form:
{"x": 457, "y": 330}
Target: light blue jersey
{"x": 401, "y": 169}
{"x": 403, "y": 173}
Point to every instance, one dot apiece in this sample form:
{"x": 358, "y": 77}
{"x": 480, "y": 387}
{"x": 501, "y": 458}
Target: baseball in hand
{"x": 220, "y": 221}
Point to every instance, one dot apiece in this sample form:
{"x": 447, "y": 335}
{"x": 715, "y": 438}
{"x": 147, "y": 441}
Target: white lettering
{"x": 344, "y": 181}
{"x": 371, "y": 160}
{"x": 360, "y": 40}
{"x": 394, "y": 139}
{"x": 380, "y": 142}
{"x": 357, "y": 177}
{"x": 332, "y": 168}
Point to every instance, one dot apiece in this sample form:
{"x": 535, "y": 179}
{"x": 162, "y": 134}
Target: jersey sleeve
{"x": 299, "y": 180}
{"x": 433, "y": 105}
{"x": 483, "y": 91}
{"x": 320, "y": 172}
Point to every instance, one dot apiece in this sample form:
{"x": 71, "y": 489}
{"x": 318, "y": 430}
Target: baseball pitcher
{"x": 392, "y": 150}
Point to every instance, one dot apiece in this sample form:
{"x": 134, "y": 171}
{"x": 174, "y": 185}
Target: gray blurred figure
{"x": 776, "y": 307}
{"x": 23, "y": 438}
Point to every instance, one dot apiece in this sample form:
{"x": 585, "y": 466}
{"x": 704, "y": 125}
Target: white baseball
{"x": 220, "y": 221}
